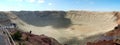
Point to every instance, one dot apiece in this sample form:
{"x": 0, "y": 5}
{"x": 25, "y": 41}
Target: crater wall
{"x": 68, "y": 27}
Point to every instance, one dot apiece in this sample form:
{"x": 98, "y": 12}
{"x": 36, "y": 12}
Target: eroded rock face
{"x": 44, "y": 18}
{"x": 4, "y": 19}
{"x": 117, "y": 14}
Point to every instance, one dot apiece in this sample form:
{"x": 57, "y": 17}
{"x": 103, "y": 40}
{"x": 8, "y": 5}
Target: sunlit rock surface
{"x": 68, "y": 27}
{"x": 109, "y": 38}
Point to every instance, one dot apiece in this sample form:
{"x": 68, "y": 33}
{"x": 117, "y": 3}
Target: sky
{"x": 65, "y": 5}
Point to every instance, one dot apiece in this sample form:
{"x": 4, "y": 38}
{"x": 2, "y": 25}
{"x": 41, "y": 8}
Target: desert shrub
{"x": 17, "y": 36}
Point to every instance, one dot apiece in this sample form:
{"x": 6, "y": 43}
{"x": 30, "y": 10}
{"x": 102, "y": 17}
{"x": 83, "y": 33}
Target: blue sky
{"x": 41, "y": 5}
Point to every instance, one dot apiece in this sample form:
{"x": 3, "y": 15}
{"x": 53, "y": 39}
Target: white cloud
{"x": 16, "y": 0}
{"x": 31, "y": 1}
{"x": 21, "y": 0}
{"x": 50, "y": 4}
{"x": 41, "y": 1}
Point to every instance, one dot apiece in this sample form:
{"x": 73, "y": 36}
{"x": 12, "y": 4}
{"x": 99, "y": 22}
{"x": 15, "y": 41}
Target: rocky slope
{"x": 70, "y": 27}
{"x": 26, "y": 38}
{"x": 4, "y": 19}
{"x": 109, "y": 38}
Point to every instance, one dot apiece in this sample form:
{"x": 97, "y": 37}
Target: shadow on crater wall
{"x": 44, "y": 18}
{"x": 4, "y": 19}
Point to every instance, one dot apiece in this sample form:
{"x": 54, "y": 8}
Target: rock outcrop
{"x": 109, "y": 38}
{"x": 4, "y": 19}
{"x": 26, "y": 38}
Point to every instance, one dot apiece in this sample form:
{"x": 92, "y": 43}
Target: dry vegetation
{"x": 26, "y": 38}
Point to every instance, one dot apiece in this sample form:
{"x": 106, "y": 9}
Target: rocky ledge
{"x": 27, "y": 38}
